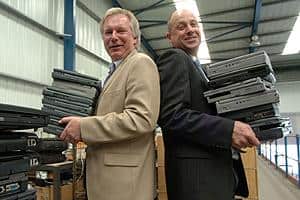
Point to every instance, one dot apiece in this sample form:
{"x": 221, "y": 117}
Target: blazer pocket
{"x": 125, "y": 160}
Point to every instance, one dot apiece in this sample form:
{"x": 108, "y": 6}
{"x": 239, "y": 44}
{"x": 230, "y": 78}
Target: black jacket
{"x": 198, "y": 154}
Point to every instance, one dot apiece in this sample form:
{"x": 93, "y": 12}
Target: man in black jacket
{"x": 198, "y": 144}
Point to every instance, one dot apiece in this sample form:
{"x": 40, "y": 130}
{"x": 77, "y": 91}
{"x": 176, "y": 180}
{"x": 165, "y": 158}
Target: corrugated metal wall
{"x": 289, "y": 96}
{"x": 28, "y": 53}
{"x": 18, "y": 92}
{"x": 88, "y": 36}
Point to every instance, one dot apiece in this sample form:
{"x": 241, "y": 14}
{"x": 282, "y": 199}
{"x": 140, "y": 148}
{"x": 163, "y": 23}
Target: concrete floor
{"x": 273, "y": 185}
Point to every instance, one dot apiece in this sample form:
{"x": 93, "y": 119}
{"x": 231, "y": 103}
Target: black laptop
{"x": 17, "y": 118}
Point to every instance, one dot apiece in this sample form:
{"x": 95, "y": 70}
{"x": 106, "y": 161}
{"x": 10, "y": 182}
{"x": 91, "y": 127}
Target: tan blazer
{"x": 120, "y": 154}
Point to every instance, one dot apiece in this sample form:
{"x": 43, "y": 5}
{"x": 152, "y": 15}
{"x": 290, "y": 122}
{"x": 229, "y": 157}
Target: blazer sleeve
{"x": 176, "y": 116}
{"x": 141, "y": 107}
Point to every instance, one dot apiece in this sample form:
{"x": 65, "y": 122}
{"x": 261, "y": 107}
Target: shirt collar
{"x": 194, "y": 58}
{"x": 117, "y": 62}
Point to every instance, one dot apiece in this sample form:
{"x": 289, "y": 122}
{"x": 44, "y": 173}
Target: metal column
{"x": 286, "y": 158}
{"x": 255, "y": 22}
{"x": 298, "y": 157}
{"x": 69, "y": 37}
{"x": 270, "y": 152}
{"x": 276, "y": 154}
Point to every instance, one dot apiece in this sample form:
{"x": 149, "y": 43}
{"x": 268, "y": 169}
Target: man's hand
{"x": 243, "y": 136}
{"x": 72, "y": 131}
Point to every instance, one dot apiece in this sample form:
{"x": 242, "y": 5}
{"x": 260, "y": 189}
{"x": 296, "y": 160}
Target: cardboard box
{"x": 161, "y": 180}
{"x": 250, "y": 165}
{"x": 43, "y": 193}
{"x": 67, "y": 192}
{"x": 251, "y": 175}
{"x": 249, "y": 158}
{"x": 162, "y": 196}
{"x": 46, "y": 193}
{"x": 160, "y": 151}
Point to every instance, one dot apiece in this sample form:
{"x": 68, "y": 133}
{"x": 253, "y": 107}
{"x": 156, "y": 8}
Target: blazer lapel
{"x": 117, "y": 71}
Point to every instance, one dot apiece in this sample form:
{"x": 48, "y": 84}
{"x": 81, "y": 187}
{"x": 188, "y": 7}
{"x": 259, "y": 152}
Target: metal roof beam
{"x": 162, "y": 49}
{"x": 234, "y": 49}
{"x": 152, "y": 25}
{"x": 217, "y": 59}
{"x": 224, "y": 22}
{"x": 278, "y": 18}
{"x": 201, "y": 21}
{"x": 156, "y": 5}
{"x": 152, "y": 21}
{"x": 226, "y": 33}
{"x": 244, "y": 8}
{"x": 157, "y": 38}
{"x": 230, "y": 39}
{"x": 244, "y": 48}
{"x": 261, "y": 21}
{"x": 148, "y": 47}
{"x": 247, "y": 37}
{"x": 225, "y": 12}
{"x": 115, "y": 3}
{"x": 222, "y": 28}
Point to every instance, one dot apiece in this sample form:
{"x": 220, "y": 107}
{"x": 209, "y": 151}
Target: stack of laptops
{"x": 71, "y": 94}
{"x": 50, "y": 150}
{"x": 17, "y": 149}
{"x": 243, "y": 89}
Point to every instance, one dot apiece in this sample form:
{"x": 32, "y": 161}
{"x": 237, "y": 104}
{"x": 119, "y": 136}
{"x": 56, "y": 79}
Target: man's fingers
{"x": 71, "y": 133}
{"x": 65, "y": 120}
{"x": 64, "y": 133}
{"x": 253, "y": 140}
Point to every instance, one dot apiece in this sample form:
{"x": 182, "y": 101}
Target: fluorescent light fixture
{"x": 292, "y": 45}
{"x": 191, "y": 5}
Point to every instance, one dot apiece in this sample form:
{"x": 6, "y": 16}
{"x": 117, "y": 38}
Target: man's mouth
{"x": 190, "y": 38}
{"x": 115, "y": 46}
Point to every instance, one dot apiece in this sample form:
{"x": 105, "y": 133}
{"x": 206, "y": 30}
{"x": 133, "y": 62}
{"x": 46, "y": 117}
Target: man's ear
{"x": 135, "y": 40}
{"x": 168, "y": 35}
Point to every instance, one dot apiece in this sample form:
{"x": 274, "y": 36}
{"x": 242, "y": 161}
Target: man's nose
{"x": 114, "y": 35}
{"x": 189, "y": 28}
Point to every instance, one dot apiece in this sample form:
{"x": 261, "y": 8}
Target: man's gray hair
{"x": 135, "y": 27}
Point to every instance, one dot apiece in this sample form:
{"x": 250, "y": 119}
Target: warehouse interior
{"x": 40, "y": 36}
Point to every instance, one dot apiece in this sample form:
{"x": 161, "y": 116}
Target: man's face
{"x": 118, "y": 37}
{"x": 185, "y": 33}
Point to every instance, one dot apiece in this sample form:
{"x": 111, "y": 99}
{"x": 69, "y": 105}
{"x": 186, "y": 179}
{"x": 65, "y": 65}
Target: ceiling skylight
{"x": 203, "y": 52}
{"x": 293, "y": 42}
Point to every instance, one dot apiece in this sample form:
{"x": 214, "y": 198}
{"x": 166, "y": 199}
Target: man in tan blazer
{"x": 120, "y": 153}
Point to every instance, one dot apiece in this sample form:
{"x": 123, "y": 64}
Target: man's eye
{"x": 180, "y": 27}
{"x": 122, "y": 31}
{"x": 194, "y": 24}
{"x": 107, "y": 32}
